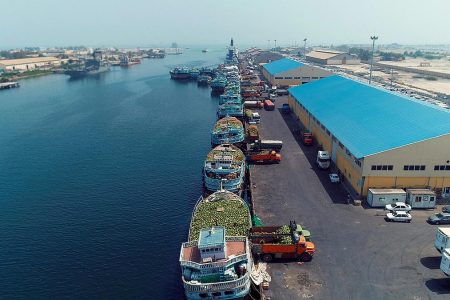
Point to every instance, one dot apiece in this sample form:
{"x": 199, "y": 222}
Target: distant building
{"x": 24, "y": 64}
{"x": 263, "y": 57}
{"x": 331, "y": 57}
{"x": 376, "y": 139}
{"x": 287, "y": 72}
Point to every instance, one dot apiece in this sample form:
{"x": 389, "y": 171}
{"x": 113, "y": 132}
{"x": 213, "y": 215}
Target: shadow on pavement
{"x": 336, "y": 192}
{"x": 431, "y": 262}
{"x": 439, "y": 285}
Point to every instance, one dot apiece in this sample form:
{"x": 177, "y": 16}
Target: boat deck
{"x": 233, "y": 248}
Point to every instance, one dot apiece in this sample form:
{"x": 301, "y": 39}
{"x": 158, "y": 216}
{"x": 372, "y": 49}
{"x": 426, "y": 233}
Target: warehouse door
{"x": 334, "y": 150}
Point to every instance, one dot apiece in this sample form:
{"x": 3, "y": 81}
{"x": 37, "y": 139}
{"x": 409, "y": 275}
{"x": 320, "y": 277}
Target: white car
{"x": 398, "y": 216}
{"x": 334, "y": 177}
{"x": 398, "y": 206}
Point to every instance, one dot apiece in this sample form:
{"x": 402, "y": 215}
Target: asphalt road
{"x": 358, "y": 254}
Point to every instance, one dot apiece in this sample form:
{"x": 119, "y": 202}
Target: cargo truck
{"x": 442, "y": 240}
{"x": 273, "y": 242}
{"x": 266, "y": 145}
{"x": 252, "y": 133}
{"x": 268, "y": 105}
{"x": 266, "y": 156}
{"x": 307, "y": 138}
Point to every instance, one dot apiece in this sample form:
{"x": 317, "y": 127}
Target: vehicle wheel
{"x": 436, "y": 223}
{"x": 409, "y": 221}
{"x": 267, "y": 257}
{"x": 305, "y": 257}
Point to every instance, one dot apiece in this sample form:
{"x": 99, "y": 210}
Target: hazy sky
{"x": 189, "y": 22}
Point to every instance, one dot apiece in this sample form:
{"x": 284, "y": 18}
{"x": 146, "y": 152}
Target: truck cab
{"x": 307, "y": 138}
{"x": 270, "y": 156}
{"x": 323, "y": 159}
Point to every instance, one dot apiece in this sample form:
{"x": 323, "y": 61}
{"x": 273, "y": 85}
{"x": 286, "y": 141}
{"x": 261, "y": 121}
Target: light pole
{"x": 304, "y": 47}
{"x": 373, "y": 38}
{"x": 275, "y": 44}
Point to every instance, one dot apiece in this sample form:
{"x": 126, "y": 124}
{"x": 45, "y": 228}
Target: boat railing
{"x": 217, "y": 286}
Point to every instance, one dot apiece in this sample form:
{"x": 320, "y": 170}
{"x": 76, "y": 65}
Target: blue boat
{"x": 230, "y": 97}
{"x": 224, "y": 167}
{"x": 216, "y": 262}
{"x": 230, "y": 110}
{"x": 228, "y": 130}
{"x": 218, "y": 85}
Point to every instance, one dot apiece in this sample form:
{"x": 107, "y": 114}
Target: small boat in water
{"x": 216, "y": 262}
{"x": 205, "y": 50}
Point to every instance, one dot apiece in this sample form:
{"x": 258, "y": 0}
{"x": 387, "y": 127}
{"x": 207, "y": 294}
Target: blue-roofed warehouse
{"x": 287, "y": 72}
{"x": 376, "y": 138}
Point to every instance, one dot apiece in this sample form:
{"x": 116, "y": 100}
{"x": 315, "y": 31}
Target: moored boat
{"x": 230, "y": 109}
{"x": 228, "y": 130}
{"x": 224, "y": 167}
{"x": 218, "y": 85}
{"x": 216, "y": 262}
{"x": 180, "y": 73}
{"x": 92, "y": 66}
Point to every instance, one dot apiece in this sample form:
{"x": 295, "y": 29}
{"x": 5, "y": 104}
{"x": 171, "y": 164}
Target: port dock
{"x": 352, "y": 260}
{"x": 9, "y": 85}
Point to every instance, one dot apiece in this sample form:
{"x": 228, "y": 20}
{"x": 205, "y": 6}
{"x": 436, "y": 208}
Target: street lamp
{"x": 373, "y": 38}
{"x": 304, "y": 46}
{"x": 275, "y": 44}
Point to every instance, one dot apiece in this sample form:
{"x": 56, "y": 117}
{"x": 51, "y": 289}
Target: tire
{"x": 305, "y": 257}
{"x": 267, "y": 258}
{"x": 436, "y": 223}
{"x": 409, "y": 221}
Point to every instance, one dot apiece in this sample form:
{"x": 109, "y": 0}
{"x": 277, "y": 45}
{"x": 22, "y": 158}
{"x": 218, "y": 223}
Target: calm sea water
{"x": 98, "y": 178}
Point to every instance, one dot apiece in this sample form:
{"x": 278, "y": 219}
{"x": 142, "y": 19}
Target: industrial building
{"x": 287, "y": 72}
{"x": 331, "y": 57}
{"x": 24, "y": 64}
{"x": 377, "y": 139}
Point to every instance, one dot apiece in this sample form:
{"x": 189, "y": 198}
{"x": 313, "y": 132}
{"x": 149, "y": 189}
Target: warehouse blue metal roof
{"x": 282, "y": 65}
{"x": 367, "y": 119}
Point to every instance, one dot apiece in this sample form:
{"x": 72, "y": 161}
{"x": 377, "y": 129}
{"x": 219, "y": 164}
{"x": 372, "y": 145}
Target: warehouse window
{"x": 287, "y": 77}
{"x": 414, "y": 168}
{"x": 381, "y": 167}
{"x": 442, "y": 167}
{"x": 314, "y": 78}
{"x": 297, "y": 77}
{"x": 340, "y": 145}
{"x": 278, "y": 77}
{"x": 323, "y": 127}
{"x": 328, "y": 132}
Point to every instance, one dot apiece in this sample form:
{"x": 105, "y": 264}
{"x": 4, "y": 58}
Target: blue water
{"x": 98, "y": 178}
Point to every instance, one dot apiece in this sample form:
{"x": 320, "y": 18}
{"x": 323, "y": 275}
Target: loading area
{"x": 358, "y": 254}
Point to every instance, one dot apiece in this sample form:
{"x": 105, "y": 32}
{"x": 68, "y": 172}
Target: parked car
{"x": 334, "y": 178}
{"x": 446, "y": 209}
{"x": 440, "y": 218}
{"x": 398, "y": 216}
{"x": 398, "y": 206}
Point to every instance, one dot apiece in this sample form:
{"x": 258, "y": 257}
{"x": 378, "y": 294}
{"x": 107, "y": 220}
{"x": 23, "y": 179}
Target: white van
{"x": 323, "y": 159}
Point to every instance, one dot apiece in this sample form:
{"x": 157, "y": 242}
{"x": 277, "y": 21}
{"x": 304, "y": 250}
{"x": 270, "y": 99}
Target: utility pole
{"x": 275, "y": 44}
{"x": 373, "y": 38}
{"x": 304, "y": 47}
